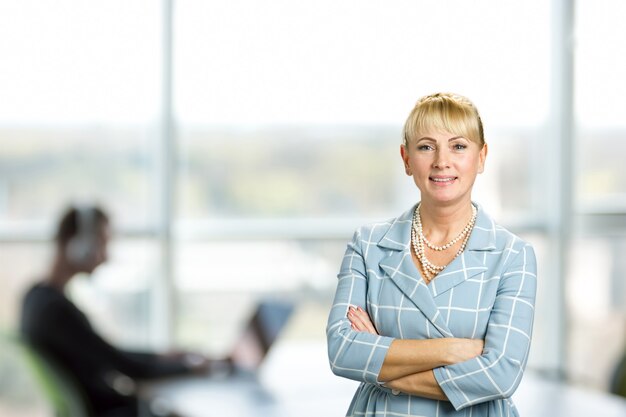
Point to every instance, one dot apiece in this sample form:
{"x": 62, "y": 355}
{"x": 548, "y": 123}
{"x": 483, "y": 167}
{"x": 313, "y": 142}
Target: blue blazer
{"x": 487, "y": 292}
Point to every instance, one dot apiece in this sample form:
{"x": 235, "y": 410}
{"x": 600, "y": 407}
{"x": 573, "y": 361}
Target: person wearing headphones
{"x": 57, "y": 329}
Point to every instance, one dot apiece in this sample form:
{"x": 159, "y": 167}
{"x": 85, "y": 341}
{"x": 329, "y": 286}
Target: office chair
{"x": 59, "y": 389}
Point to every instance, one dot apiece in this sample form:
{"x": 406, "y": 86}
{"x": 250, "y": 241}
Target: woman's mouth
{"x": 442, "y": 180}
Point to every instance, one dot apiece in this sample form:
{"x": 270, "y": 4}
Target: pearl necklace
{"x": 418, "y": 240}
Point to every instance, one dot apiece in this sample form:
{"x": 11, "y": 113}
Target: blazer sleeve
{"x": 354, "y": 355}
{"x": 498, "y": 371}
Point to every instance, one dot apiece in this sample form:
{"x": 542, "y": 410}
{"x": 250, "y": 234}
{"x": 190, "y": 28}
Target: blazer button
{"x": 395, "y": 392}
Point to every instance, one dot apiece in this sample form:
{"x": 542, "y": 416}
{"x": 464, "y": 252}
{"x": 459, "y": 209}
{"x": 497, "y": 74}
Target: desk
{"x": 292, "y": 372}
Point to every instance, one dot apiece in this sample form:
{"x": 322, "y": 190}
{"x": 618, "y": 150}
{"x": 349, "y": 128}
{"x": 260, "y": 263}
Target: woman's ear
{"x": 404, "y": 153}
{"x": 482, "y": 155}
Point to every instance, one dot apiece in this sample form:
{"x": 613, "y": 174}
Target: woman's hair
{"x": 444, "y": 111}
{"x": 77, "y": 220}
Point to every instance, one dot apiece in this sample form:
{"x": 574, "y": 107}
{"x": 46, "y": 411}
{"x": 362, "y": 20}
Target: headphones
{"x": 81, "y": 249}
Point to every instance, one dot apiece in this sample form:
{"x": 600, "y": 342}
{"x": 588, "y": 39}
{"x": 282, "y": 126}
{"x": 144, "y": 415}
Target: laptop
{"x": 262, "y": 330}
{"x": 234, "y": 380}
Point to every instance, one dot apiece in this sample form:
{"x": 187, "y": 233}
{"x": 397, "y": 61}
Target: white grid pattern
{"x": 487, "y": 292}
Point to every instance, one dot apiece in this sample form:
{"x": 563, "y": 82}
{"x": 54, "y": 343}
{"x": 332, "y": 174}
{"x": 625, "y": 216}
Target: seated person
{"x": 55, "y": 327}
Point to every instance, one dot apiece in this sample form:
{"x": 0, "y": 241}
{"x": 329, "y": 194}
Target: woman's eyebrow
{"x": 434, "y": 140}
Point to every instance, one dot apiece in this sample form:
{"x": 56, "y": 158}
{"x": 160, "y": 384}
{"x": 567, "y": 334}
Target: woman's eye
{"x": 459, "y": 147}
{"x": 424, "y": 147}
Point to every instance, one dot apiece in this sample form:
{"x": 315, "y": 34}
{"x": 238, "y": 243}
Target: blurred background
{"x": 238, "y": 144}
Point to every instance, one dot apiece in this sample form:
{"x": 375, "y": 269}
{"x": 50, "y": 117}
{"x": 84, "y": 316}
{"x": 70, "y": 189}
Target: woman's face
{"x": 443, "y": 165}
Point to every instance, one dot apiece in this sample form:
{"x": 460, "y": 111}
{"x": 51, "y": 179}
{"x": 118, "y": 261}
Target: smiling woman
{"x": 434, "y": 309}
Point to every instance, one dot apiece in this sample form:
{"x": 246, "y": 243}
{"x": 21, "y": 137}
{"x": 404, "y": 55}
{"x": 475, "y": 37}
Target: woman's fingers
{"x": 355, "y": 319}
{"x": 366, "y": 321}
{"x": 360, "y": 320}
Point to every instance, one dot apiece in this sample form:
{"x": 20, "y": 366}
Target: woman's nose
{"x": 441, "y": 160}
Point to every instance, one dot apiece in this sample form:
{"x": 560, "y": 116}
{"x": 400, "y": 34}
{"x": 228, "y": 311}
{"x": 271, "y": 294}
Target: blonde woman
{"x": 433, "y": 311}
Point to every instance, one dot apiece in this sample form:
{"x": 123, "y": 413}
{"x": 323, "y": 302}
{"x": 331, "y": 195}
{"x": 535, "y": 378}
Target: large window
{"x": 79, "y": 121}
{"x": 596, "y": 296}
{"x": 285, "y": 124}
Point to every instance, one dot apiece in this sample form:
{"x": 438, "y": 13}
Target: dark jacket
{"x": 56, "y": 328}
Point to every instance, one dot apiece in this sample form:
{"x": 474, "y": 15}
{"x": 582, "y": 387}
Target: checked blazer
{"x": 487, "y": 292}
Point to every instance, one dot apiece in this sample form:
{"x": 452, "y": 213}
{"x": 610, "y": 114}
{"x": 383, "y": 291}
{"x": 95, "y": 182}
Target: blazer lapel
{"x": 463, "y": 267}
{"x": 400, "y": 268}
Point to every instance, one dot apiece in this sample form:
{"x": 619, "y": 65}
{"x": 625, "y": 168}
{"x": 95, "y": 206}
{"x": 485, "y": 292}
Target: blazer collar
{"x": 398, "y": 236}
{"x": 400, "y": 268}
{"x": 483, "y": 237}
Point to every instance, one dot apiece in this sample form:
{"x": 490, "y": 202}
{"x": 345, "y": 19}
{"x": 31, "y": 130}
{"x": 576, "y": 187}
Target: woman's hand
{"x": 360, "y": 320}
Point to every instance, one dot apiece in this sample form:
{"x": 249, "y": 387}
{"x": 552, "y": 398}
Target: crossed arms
{"x": 409, "y": 363}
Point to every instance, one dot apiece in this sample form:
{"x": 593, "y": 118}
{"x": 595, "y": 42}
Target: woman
{"x": 433, "y": 311}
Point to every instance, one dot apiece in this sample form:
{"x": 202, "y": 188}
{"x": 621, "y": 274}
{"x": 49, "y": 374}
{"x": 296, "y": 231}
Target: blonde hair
{"x": 444, "y": 111}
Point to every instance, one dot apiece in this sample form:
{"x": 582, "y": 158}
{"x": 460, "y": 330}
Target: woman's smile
{"x": 442, "y": 180}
